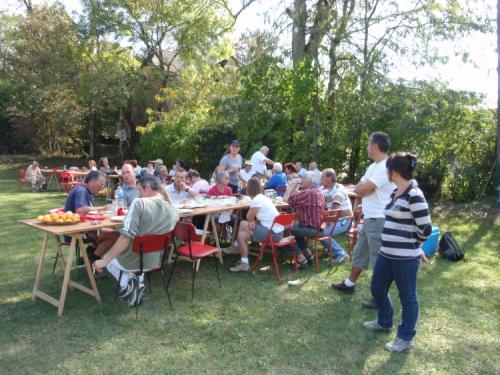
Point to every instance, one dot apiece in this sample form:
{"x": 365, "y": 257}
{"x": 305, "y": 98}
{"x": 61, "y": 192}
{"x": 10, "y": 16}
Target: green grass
{"x": 253, "y": 325}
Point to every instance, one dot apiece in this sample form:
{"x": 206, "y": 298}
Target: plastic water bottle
{"x": 119, "y": 194}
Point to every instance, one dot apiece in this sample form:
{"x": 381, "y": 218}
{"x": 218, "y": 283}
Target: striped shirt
{"x": 407, "y": 224}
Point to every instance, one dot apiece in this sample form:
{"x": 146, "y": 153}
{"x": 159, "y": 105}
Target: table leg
{"x": 90, "y": 273}
{"x": 205, "y": 228}
{"x": 38, "y": 276}
{"x": 66, "y": 280}
{"x": 216, "y": 237}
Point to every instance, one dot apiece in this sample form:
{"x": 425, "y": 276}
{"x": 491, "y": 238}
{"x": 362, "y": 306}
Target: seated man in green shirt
{"x": 149, "y": 214}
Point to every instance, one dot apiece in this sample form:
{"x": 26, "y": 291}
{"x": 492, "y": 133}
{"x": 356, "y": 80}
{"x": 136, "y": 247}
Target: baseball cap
{"x": 235, "y": 142}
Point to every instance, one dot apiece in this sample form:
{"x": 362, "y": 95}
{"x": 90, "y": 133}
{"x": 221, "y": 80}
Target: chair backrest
{"x": 185, "y": 231}
{"x": 331, "y": 216}
{"x": 284, "y": 219}
{"x": 22, "y": 173}
{"x": 150, "y": 243}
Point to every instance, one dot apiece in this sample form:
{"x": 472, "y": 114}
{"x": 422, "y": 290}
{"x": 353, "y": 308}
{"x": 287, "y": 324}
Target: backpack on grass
{"x": 449, "y": 248}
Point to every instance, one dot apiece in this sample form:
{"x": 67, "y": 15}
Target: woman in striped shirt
{"x": 407, "y": 225}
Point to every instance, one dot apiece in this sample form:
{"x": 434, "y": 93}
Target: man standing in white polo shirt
{"x": 375, "y": 190}
{"x": 259, "y": 160}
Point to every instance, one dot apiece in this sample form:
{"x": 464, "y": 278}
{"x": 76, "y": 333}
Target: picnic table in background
{"x": 54, "y": 177}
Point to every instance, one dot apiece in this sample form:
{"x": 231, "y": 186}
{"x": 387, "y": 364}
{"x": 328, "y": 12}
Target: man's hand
{"x": 423, "y": 257}
{"x": 99, "y": 265}
{"x": 251, "y": 225}
{"x": 183, "y": 186}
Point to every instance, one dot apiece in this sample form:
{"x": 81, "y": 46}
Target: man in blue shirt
{"x": 80, "y": 199}
{"x": 278, "y": 182}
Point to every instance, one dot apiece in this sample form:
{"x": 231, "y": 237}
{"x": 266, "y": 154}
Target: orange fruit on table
{"x": 47, "y": 219}
{"x": 39, "y": 218}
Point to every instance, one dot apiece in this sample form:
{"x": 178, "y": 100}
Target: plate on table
{"x": 118, "y": 218}
{"x": 185, "y": 210}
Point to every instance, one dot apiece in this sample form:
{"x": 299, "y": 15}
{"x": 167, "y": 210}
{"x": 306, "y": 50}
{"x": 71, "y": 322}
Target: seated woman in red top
{"x": 221, "y": 187}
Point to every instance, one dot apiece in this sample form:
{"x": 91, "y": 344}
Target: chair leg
{"x": 217, "y": 270}
{"x": 55, "y": 262}
{"x": 165, "y": 285}
{"x": 118, "y": 286}
{"x": 148, "y": 276}
{"x": 259, "y": 258}
{"x": 194, "y": 277}
{"x": 275, "y": 264}
{"x": 316, "y": 257}
{"x": 171, "y": 272}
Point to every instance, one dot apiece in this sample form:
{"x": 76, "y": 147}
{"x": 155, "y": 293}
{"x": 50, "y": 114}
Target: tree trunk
{"x": 497, "y": 179}
{"x": 299, "y": 22}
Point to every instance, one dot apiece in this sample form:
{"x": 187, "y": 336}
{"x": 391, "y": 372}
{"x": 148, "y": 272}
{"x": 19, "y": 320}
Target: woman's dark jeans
{"x": 404, "y": 273}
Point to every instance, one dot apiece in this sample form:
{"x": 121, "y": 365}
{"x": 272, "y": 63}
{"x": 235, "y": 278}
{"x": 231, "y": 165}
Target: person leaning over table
{"x": 148, "y": 214}
{"x": 375, "y": 190}
{"x": 259, "y": 160}
{"x": 310, "y": 205}
{"x": 336, "y": 198}
{"x": 259, "y": 220}
{"x": 278, "y": 181}
{"x": 231, "y": 162}
{"x": 407, "y": 225}
{"x": 34, "y": 175}
{"x": 80, "y": 199}
{"x": 180, "y": 190}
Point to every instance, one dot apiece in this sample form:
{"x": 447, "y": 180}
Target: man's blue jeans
{"x": 404, "y": 273}
{"x": 341, "y": 227}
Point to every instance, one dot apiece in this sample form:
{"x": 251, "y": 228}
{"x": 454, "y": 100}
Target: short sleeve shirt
{"x": 146, "y": 216}
{"x": 246, "y": 175}
{"x": 338, "y": 194}
{"x": 266, "y": 212}
{"x": 79, "y": 196}
{"x": 374, "y": 204}
{"x": 201, "y": 186}
{"x": 258, "y": 162}
{"x": 214, "y": 192}
{"x": 228, "y": 162}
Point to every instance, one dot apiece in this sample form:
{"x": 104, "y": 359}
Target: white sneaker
{"x": 240, "y": 267}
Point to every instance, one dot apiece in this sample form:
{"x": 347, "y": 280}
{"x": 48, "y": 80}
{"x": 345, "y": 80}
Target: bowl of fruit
{"x": 59, "y": 218}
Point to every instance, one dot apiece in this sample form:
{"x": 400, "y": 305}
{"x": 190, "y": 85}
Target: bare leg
{"x": 244, "y": 235}
{"x": 355, "y": 272}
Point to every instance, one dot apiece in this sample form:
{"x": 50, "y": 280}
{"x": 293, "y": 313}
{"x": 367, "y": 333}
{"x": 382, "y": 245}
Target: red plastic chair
{"x": 151, "y": 243}
{"x": 285, "y": 220}
{"x": 185, "y": 232}
{"x": 330, "y": 217}
{"x": 68, "y": 181}
{"x": 22, "y": 179}
{"x": 353, "y": 232}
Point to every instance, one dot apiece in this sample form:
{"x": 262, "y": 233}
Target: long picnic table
{"x": 77, "y": 232}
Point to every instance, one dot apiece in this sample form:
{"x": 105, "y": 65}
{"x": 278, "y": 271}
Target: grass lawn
{"x": 253, "y": 325}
